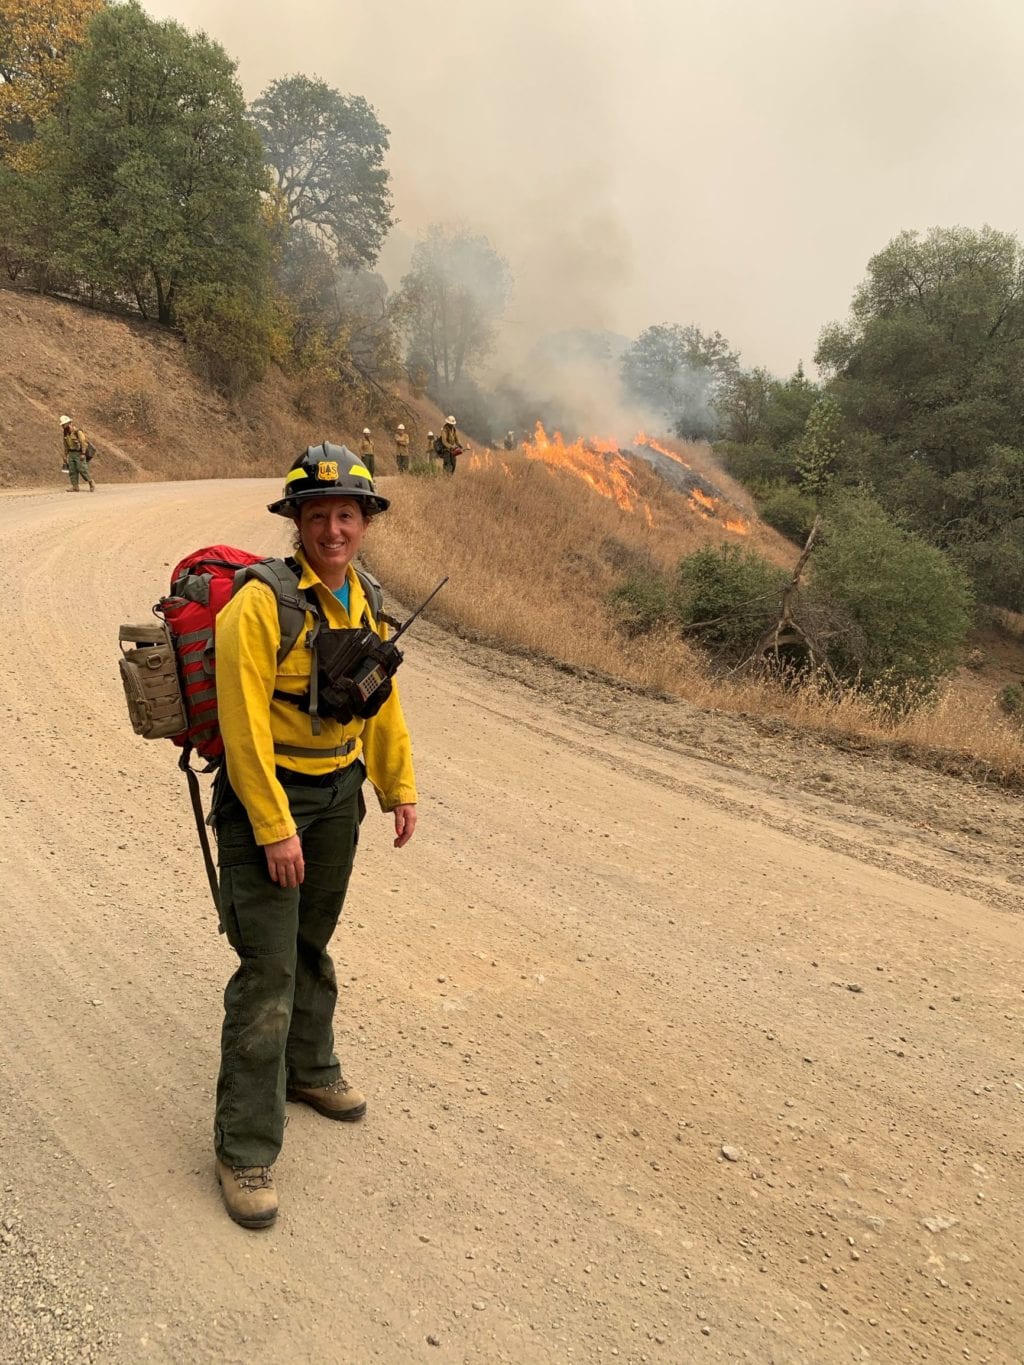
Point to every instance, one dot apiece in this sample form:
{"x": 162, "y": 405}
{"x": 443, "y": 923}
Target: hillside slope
{"x": 126, "y": 384}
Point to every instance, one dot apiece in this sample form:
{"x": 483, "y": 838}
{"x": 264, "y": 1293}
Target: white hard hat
{"x": 366, "y": 431}
{"x": 450, "y": 421}
{"x": 430, "y": 433}
{"x": 401, "y": 426}
{"x": 65, "y": 421}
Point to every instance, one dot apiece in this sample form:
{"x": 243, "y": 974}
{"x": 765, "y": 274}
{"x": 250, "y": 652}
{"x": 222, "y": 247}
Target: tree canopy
{"x": 929, "y": 373}
{"x": 326, "y": 153}
{"x": 38, "y": 39}
{"x": 451, "y": 300}
{"x": 159, "y": 174}
{"x": 680, "y": 373}
{"x": 903, "y": 607}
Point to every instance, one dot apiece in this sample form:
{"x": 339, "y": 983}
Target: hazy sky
{"x": 732, "y": 163}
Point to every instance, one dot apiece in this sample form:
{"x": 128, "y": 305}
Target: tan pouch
{"x": 152, "y": 688}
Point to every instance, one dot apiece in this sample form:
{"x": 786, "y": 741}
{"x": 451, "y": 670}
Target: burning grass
{"x": 534, "y": 545}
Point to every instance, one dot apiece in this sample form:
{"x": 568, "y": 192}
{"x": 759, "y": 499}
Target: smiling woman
{"x": 287, "y": 814}
{"x": 330, "y": 532}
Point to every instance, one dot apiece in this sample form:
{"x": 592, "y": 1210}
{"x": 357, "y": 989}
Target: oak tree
{"x": 160, "y": 174}
{"x": 38, "y": 40}
{"x": 326, "y": 153}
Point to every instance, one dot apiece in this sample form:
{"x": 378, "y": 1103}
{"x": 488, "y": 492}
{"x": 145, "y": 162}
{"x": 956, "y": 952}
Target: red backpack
{"x": 201, "y": 585}
{"x": 168, "y": 669}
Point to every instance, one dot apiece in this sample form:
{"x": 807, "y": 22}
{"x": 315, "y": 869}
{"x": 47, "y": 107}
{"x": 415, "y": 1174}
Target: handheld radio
{"x": 356, "y": 668}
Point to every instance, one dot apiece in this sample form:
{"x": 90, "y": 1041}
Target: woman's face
{"x": 331, "y": 531}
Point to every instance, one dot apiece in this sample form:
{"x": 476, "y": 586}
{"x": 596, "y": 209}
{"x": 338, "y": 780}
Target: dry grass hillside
{"x": 533, "y": 551}
{"x": 533, "y": 541}
{"x": 126, "y": 384}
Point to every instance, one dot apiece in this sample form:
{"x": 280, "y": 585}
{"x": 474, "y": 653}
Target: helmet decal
{"x": 327, "y": 470}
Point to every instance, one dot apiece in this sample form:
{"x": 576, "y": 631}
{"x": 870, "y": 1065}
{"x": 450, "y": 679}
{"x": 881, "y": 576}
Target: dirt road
{"x": 668, "y": 1059}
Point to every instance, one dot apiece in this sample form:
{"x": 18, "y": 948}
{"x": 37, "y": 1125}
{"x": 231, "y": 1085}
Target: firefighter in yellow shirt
{"x": 366, "y": 451}
{"x": 451, "y": 448}
{"x": 76, "y": 460}
{"x": 402, "y": 449}
{"x": 287, "y": 815}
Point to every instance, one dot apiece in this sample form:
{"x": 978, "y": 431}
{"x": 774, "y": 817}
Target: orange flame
{"x": 600, "y": 464}
{"x": 642, "y": 439}
{"x": 708, "y": 508}
{"x": 705, "y": 506}
{"x": 597, "y": 463}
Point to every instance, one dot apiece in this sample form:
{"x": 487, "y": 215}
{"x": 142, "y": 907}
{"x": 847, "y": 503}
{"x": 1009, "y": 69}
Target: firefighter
{"x": 366, "y": 451}
{"x": 510, "y": 440}
{"x": 450, "y": 447}
{"x": 431, "y": 452}
{"x": 287, "y": 817}
{"x": 76, "y": 456}
{"x": 402, "y": 449}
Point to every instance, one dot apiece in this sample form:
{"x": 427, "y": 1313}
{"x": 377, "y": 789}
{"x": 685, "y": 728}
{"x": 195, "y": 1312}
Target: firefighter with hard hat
{"x": 510, "y": 440}
{"x": 287, "y": 812}
{"x": 402, "y": 449}
{"x": 76, "y": 455}
{"x": 450, "y": 447}
{"x": 366, "y": 451}
{"x": 431, "y": 451}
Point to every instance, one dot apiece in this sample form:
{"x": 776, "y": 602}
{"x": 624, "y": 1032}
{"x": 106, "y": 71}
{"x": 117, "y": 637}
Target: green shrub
{"x": 1011, "y": 702}
{"x": 425, "y": 469}
{"x": 907, "y": 606}
{"x": 640, "y": 603}
{"x": 756, "y": 464}
{"x": 787, "y": 509}
{"x": 729, "y": 595}
{"x": 995, "y": 562}
{"x": 230, "y": 336}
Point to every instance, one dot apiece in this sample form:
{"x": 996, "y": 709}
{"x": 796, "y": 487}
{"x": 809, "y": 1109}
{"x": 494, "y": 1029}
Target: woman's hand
{"x": 405, "y": 824}
{"x": 285, "y": 862}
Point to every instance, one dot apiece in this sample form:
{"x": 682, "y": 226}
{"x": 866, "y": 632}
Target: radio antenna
{"x": 406, "y": 624}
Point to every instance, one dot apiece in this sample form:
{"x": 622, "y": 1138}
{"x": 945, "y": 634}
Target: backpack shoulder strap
{"x": 375, "y": 597}
{"x": 283, "y": 582}
{"x": 373, "y": 590}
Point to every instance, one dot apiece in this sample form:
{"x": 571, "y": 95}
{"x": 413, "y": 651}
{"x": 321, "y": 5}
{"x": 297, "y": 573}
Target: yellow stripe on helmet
{"x": 295, "y": 474}
{"x": 362, "y": 471}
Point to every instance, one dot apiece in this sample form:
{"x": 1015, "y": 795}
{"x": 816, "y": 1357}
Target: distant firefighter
{"x": 431, "y": 452}
{"x": 366, "y": 450}
{"x": 77, "y": 454}
{"x": 510, "y": 440}
{"x": 402, "y": 449}
{"x": 450, "y": 447}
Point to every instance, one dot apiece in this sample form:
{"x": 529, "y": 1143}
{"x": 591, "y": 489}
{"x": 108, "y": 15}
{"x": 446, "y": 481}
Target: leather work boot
{"x": 249, "y": 1194}
{"x": 339, "y": 1100}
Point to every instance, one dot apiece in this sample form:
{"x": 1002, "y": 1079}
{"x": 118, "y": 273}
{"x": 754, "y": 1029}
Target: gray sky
{"x": 732, "y": 163}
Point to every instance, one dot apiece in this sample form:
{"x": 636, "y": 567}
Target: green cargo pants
{"x": 78, "y": 468}
{"x": 279, "y": 1005}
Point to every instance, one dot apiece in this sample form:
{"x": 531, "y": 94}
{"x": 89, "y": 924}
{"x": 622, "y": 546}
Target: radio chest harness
{"x": 351, "y": 669}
